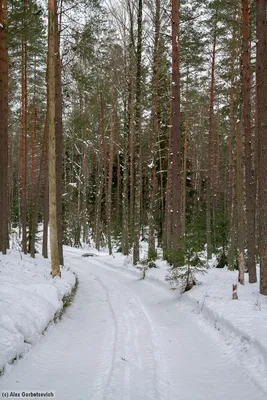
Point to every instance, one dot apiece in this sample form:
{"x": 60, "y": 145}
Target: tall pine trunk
{"x": 32, "y": 226}
{"x": 55, "y": 263}
{"x": 211, "y": 162}
{"x": 46, "y": 189}
{"x": 110, "y": 176}
{"x": 4, "y": 212}
{"x": 138, "y": 135}
{"x": 154, "y": 134}
{"x": 176, "y": 184}
{"x": 231, "y": 191}
{"x": 59, "y": 133}
{"x": 240, "y": 205}
{"x": 24, "y": 107}
{"x": 250, "y": 183}
{"x": 262, "y": 137}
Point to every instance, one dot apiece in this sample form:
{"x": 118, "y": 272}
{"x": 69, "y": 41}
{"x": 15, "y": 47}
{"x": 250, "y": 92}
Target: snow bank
{"x": 29, "y": 300}
{"x": 242, "y": 322}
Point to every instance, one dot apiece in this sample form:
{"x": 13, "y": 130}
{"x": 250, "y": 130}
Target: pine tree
{"x": 55, "y": 263}
{"x": 262, "y": 134}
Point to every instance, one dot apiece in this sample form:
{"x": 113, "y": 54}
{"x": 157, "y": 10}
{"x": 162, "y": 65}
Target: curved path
{"x": 126, "y": 339}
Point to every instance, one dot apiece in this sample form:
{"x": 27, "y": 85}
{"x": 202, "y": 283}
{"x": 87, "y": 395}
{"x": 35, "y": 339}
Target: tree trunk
{"x": 55, "y": 263}
{"x": 176, "y": 238}
{"x": 4, "y": 211}
{"x": 46, "y": 189}
{"x": 138, "y": 135}
{"x": 118, "y": 209}
{"x": 59, "y": 133}
{"x": 24, "y": 107}
{"x": 154, "y": 134}
{"x": 211, "y": 162}
{"x": 110, "y": 176}
{"x": 125, "y": 177}
{"x": 132, "y": 158}
{"x": 32, "y": 226}
{"x": 100, "y": 183}
{"x": 37, "y": 190}
{"x": 183, "y": 216}
{"x": 240, "y": 205}
{"x": 250, "y": 183}
{"x": 262, "y": 137}
{"x": 231, "y": 191}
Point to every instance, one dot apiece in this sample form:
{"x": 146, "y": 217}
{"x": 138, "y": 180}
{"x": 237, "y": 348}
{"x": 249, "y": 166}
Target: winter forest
{"x": 136, "y": 124}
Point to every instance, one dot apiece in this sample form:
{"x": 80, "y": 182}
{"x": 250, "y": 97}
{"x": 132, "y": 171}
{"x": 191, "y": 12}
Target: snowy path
{"x": 126, "y": 339}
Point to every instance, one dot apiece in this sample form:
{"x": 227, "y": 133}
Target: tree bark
{"x": 46, "y": 189}
{"x": 183, "y": 216}
{"x": 138, "y": 135}
{"x": 110, "y": 176}
{"x": 176, "y": 237}
{"x": 59, "y": 133}
{"x": 4, "y": 211}
{"x": 154, "y": 134}
{"x": 250, "y": 183}
{"x": 32, "y": 225}
{"x": 125, "y": 177}
{"x": 55, "y": 263}
{"x": 231, "y": 191}
{"x": 24, "y": 107}
{"x": 211, "y": 162}
{"x": 240, "y": 205}
{"x": 262, "y": 137}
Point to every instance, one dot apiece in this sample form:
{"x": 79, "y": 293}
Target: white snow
{"x": 29, "y": 299}
{"x": 238, "y": 325}
{"x": 126, "y": 338}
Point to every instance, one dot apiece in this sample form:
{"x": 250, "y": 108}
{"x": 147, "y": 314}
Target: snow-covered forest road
{"x": 127, "y": 339}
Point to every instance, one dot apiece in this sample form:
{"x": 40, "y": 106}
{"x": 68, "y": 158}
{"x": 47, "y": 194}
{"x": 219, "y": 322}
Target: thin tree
{"x": 211, "y": 161}
{"x": 154, "y": 134}
{"x": 240, "y": 205}
{"x": 24, "y": 115}
{"x": 262, "y": 137}
{"x": 138, "y": 134}
{"x": 250, "y": 183}
{"x": 59, "y": 130}
{"x": 176, "y": 239}
{"x": 110, "y": 176}
{"x": 3, "y": 129}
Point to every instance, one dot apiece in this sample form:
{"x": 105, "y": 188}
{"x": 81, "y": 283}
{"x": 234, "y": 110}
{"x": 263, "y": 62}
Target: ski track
{"x": 127, "y": 339}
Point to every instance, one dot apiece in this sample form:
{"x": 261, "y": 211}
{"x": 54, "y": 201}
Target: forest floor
{"x": 127, "y": 338}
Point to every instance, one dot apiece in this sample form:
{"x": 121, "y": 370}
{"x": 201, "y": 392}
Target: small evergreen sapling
{"x": 185, "y": 276}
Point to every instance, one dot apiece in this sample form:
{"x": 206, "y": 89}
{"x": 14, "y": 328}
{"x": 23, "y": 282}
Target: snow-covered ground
{"x": 29, "y": 300}
{"x": 126, "y": 338}
{"x": 238, "y": 325}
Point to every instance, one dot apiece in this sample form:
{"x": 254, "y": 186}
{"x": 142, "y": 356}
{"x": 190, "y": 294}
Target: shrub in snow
{"x": 222, "y": 260}
{"x": 185, "y": 277}
{"x": 152, "y": 264}
{"x": 145, "y": 266}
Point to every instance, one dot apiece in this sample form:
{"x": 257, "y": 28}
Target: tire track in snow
{"x": 104, "y": 366}
{"x": 125, "y": 370}
{"x": 107, "y": 385}
{"x": 161, "y": 377}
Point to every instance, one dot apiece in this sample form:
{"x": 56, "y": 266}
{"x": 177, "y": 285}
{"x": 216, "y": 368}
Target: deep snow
{"x": 124, "y": 338}
{"x": 29, "y": 299}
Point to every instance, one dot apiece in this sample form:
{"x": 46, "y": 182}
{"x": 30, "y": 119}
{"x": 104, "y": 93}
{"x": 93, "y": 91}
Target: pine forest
{"x": 137, "y": 127}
